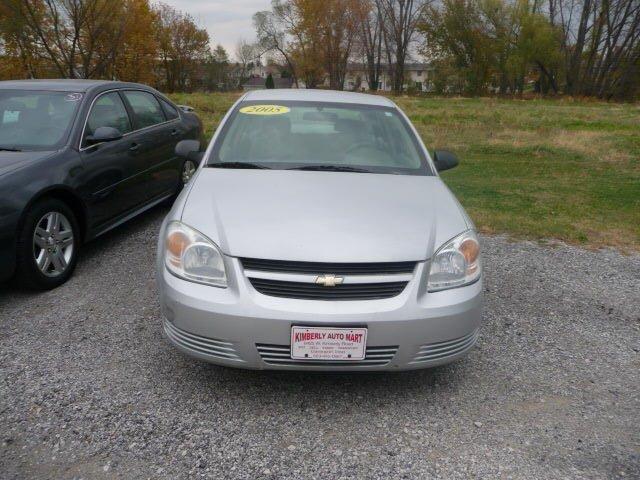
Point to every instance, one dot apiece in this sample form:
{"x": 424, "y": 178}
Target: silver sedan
{"x": 316, "y": 234}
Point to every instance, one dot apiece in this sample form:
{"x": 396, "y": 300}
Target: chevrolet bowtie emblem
{"x": 329, "y": 280}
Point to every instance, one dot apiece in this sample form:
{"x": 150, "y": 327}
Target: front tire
{"x": 189, "y": 168}
{"x": 48, "y": 244}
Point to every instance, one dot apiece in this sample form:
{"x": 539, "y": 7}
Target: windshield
{"x": 35, "y": 120}
{"x": 319, "y": 136}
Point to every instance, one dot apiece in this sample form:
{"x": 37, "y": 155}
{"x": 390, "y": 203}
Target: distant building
{"x": 258, "y": 83}
{"x": 258, "y": 74}
{"x": 417, "y": 76}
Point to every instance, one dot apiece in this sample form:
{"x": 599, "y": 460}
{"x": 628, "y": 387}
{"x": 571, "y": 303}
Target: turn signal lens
{"x": 177, "y": 242}
{"x": 471, "y": 251}
{"x": 456, "y": 263}
{"x": 192, "y": 256}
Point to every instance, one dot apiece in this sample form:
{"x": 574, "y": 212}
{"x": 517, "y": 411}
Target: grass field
{"x": 538, "y": 169}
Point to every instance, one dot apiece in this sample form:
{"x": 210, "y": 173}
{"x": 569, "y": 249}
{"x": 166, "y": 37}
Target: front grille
{"x": 281, "y": 355}
{"x": 313, "y": 291}
{"x": 436, "y": 351}
{"x": 198, "y": 344}
{"x": 317, "y": 268}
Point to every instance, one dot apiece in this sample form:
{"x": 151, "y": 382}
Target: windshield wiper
{"x": 331, "y": 168}
{"x": 237, "y": 165}
{"x": 7, "y": 149}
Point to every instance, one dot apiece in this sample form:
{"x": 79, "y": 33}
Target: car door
{"x": 175, "y": 130}
{"x": 110, "y": 168}
{"x": 157, "y": 136}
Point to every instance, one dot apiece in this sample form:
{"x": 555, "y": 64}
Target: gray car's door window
{"x": 169, "y": 110}
{"x": 146, "y": 109}
{"x": 156, "y": 158}
{"x": 107, "y": 111}
{"x": 111, "y": 172}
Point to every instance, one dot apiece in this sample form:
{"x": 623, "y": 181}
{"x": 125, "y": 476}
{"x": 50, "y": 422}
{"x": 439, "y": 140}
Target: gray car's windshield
{"x": 318, "y": 136}
{"x": 35, "y": 120}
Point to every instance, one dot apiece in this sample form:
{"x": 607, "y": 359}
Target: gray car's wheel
{"x": 47, "y": 245}
{"x": 188, "y": 170}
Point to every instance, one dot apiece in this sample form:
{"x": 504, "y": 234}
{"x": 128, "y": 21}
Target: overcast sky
{"x": 227, "y": 21}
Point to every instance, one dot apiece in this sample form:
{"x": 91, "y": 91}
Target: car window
{"x": 107, "y": 111}
{"x": 169, "y": 110}
{"x": 303, "y": 134}
{"x": 36, "y": 120}
{"x": 146, "y": 109}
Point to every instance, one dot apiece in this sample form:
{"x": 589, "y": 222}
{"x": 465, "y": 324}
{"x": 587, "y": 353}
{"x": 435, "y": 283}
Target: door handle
{"x": 174, "y": 132}
{"x": 134, "y": 147}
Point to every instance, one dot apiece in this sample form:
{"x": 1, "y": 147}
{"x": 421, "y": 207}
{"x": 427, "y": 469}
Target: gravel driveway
{"x": 89, "y": 389}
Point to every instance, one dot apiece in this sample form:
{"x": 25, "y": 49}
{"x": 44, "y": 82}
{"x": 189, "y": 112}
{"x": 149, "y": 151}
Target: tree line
{"x": 130, "y": 40}
{"x": 576, "y": 47}
{"x": 579, "y": 47}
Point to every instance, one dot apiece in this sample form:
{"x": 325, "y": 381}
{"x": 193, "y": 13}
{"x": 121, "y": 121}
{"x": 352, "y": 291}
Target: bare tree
{"x": 400, "y": 20}
{"x": 301, "y": 23}
{"x": 246, "y": 53}
{"x": 601, "y": 43}
{"x": 272, "y": 38}
{"x": 79, "y": 37}
{"x": 341, "y": 23}
{"x": 372, "y": 29}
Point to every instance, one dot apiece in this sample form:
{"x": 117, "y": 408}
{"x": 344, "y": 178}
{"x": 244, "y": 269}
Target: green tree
{"x": 269, "y": 83}
{"x": 457, "y": 30}
{"x": 217, "y": 69}
{"x": 536, "y": 49}
{"x": 497, "y": 44}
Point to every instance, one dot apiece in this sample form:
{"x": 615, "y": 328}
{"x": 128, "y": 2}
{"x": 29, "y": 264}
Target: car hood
{"x": 10, "y": 161}
{"x": 323, "y": 216}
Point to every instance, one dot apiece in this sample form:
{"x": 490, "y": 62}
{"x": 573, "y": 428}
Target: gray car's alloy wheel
{"x": 188, "y": 169}
{"x": 53, "y": 244}
{"x": 48, "y": 244}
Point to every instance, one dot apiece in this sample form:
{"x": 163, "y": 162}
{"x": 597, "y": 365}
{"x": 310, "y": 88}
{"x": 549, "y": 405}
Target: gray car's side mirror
{"x": 104, "y": 134}
{"x": 444, "y": 160}
{"x": 189, "y": 149}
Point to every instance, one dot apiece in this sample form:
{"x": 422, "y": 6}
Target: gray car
{"x": 77, "y": 159}
{"x": 317, "y": 235}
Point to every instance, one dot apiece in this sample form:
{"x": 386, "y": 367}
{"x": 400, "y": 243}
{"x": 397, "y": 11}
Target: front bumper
{"x": 240, "y": 327}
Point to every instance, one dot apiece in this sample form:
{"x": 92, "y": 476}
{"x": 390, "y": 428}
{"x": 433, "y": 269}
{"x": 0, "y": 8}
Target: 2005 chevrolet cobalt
{"x": 317, "y": 235}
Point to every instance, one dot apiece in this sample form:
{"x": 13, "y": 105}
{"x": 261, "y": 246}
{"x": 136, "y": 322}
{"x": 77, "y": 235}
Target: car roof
{"x": 64, "y": 85}
{"x": 312, "y": 95}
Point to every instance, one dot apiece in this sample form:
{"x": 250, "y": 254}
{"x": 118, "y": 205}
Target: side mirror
{"x": 104, "y": 134}
{"x": 444, "y": 160}
{"x": 189, "y": 149}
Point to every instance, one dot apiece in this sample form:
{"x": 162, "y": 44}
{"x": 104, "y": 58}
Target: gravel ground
{"x": 89, "y": 389}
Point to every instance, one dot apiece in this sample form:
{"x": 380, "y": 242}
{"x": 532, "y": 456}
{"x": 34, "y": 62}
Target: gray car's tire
{"x": 187, "y": 166}
{"x": 47, "y": 247}
{"x": 187, "y": 171}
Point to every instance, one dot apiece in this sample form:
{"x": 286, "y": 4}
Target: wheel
{"x": 48, "y": 245}
{"x": 188, "y": 169}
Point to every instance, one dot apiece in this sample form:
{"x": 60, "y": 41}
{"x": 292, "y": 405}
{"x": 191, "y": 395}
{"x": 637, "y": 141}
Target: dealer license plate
{"x": 327, "y": 343}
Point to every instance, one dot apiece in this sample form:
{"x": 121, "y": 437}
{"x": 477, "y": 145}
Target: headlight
{"x": 190, "y": 255}
{"x": 456, "y": 263}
